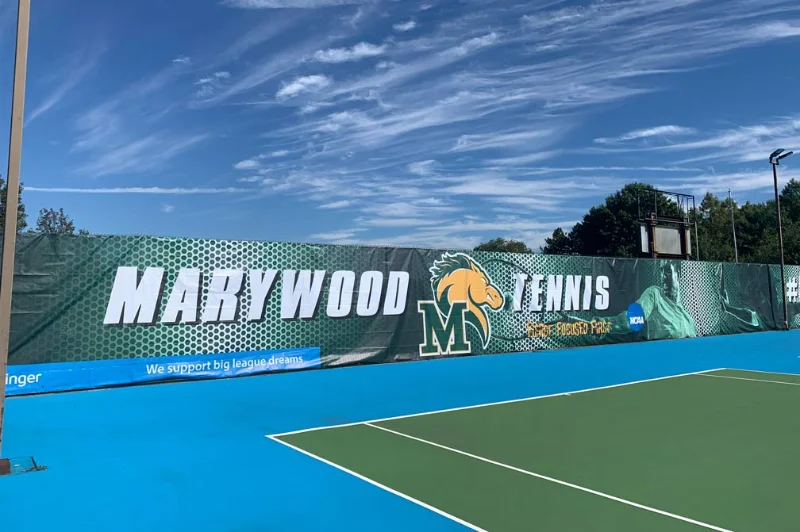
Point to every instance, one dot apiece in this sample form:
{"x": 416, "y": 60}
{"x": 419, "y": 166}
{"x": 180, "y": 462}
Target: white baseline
{"x": 750, "y": 380}
{"x": 484, "y": 405}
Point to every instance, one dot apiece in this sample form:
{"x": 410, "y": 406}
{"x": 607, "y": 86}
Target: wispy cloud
{"x": 359, "y": 51}
{"x": 340, "y": 235}
{"x": 422, "y": 168}
{"x": 303, "y": 84}
{"x": 405, "y": 26}
{"x": 167, "y": 208}
{"x": 341, "y": 204}
{"x": 77, "y": 69}
{"x": 399, "y": 127}
{"x": 252, "y": 179}
{"x": 138, "y": 190}
{"x": 211, "y": 84}
{"x": 290, "y": 4}
{"x": 127, "y": 124}
{"x": 247, "y": 164}
{"x": 142, "y": 155}
{"x": 717, "y": 183}
{"x": 467, "y": 110}
{"x": 527, "y": 139}
{"x": 659, "y": 131}
{"x": 743, "y": 144}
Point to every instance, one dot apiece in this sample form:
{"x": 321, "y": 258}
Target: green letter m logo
{"x": 443, "y": 338}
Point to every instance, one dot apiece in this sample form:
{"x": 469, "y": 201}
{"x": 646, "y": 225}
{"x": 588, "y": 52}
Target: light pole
{"x": 733, "y": 228}
{"x": 775, "y": 159}
{"x": 12, "y": 199}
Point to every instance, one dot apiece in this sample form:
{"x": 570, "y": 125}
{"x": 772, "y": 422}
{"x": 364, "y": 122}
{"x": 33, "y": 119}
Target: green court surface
{"x": 714, "y": 451}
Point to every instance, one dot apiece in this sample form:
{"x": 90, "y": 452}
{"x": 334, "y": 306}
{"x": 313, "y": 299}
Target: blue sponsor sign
{"x": 635, "y": 317}
{"x": 65, "y": 376}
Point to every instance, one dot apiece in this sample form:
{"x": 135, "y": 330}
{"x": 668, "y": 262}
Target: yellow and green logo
{"x": 463, "y": 292}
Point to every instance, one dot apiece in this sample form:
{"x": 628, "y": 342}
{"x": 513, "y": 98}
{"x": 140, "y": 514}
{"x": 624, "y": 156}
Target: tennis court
{"x": 663, "y": 441}
{"x": 713, "y": 450}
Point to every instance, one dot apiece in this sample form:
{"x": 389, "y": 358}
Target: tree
{"x": 611, "y": 229}
{"x": 558, "y": 244}
{"x": 22, "y": 218}
{"x": 714, "y": 229}
{"x": 56, "y": 222}
{"x": 502, "y": 245}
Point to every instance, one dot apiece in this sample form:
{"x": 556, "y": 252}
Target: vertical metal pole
{"x": 696, "y": 233}
{"x": 12, "y": 198}
{"x": 733, "y": 228}
{"x": 780, "y": 241}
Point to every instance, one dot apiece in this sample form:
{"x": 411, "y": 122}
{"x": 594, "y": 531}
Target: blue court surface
{"x": 197, "y": 456}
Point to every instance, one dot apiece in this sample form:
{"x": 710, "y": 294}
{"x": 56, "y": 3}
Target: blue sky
{"x": 434, "y": 123}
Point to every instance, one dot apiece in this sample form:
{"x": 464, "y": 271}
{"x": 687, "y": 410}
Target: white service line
{"x": 751, "y": 380}
{"x": 381, "y": 486}
{"x": 554, "y": 480}
{"x": 484, "y": 405}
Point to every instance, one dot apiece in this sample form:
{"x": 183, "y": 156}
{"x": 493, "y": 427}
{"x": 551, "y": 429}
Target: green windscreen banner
{"x": 100, "y": 311}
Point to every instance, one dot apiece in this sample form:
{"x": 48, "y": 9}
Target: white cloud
{"x": 747, "y": 143}
{"x": 422, "y": 168}
{"x": 141, "y": 155}
{"x": 251, "y": 179}
{"x": 290, "y": 4}
{"x": 222, "y": 74}
{"x": 506, "y": 139}
{"x": 356, "y": 53}
{"x": 436, "y": 126}
{"x": 659, "y": 131}
{"x": 522, "y": 160}
{"x": 303, "y": 84}
{"x": 247, "y": 164}
{"x": 356, "y": 17}
{"x": 473, "y": 44}
{"x": 279, "y": 153}
{"x": 211, "y": 84}
{"x": 182, "y": 60}
{"x": 340, "y": 235}
{"x": 78, "y": 68}
{"x": 167, "y": 208}
{"x": 337, "y": 204}
{"x": 775, "y": 30}
{"x": 138, "y": 190}
{"x": 405, "y": 26}
{"x": 719, "y": 183}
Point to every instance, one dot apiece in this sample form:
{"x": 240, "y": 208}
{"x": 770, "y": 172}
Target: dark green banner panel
{"x": 79, "y": 299}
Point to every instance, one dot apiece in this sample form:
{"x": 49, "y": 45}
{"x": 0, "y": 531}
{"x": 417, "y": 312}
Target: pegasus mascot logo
{"x": 463, "y": 292}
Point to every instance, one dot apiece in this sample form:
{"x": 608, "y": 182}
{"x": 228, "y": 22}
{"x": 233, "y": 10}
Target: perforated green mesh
{"x": 62, "y": 286}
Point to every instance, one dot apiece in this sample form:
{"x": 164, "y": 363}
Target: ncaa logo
{"x": 635, "y": 317}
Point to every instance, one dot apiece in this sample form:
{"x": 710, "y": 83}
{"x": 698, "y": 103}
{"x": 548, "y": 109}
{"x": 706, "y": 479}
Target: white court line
{"x": 554, "y": 480}
{"x": 484, "y": 405}
{"x": 764, "y": 372}
{"x": 381, "y": 486}
{"x": 751, "y": 380}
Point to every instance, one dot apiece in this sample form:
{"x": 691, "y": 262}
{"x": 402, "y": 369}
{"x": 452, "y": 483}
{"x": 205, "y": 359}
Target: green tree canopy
{"x": 22, "y": 217}
{"x": 56, "y": 222}
{"x": 504, "y": 246}
{"x": 610, "y": 229}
